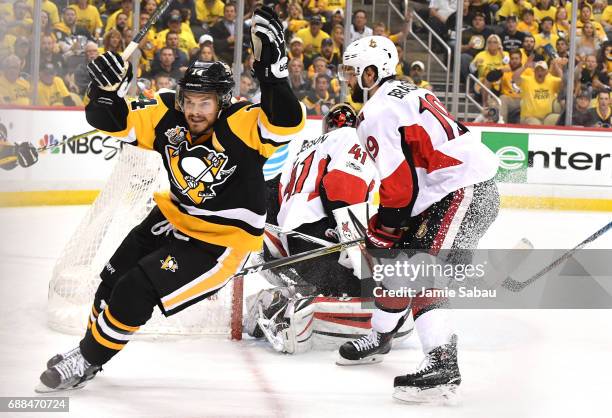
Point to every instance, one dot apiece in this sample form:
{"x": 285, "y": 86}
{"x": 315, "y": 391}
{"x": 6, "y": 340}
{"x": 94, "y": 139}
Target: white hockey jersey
{"x": 420, "y": 151}
{"x": 335, "y": 161}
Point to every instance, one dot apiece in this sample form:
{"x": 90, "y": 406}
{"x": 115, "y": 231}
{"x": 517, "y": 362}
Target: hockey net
{"x": 124, "y": 202}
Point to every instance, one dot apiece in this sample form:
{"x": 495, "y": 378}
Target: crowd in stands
{"x": 517, "y": 49}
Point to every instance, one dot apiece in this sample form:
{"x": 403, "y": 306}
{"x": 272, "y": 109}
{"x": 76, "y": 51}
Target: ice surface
{"x": 555, "y": 363}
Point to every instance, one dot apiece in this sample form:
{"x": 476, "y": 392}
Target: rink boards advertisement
{"x": 563, "y": 163}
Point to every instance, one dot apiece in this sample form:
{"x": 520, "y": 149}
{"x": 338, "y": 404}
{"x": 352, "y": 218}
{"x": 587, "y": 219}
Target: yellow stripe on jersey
{"x": 118, "y": 324}
{"x": 281, "y": 130}
{"x": 100, "y": 339}
{"x": 222, "y": 235}
{"x": 213, "y": 279}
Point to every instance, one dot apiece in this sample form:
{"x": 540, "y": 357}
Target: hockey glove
{"x": 268, "y": 46}
{"x": 376, "y": 237}
{"x": 26, "y": 154}
{"x": 110, "y": 73}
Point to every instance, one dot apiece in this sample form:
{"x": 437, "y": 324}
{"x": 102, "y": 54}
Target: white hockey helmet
{"x": 377, "y": 51}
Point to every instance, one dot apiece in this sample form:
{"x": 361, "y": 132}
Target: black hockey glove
{"x": 269, "y": 49}
{"x": 108, "y": 72}
{"x": 26, "y": 154}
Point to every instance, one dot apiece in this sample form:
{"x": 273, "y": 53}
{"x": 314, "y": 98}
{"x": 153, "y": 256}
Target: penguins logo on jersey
{"x": 176, "y": 135}
{"x": 169, "y": 264}
{"x": 197, "y": 170}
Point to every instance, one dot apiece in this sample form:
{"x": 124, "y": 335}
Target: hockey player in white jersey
{"x": 436, "y": 192}
{"x": 328, "y": 172}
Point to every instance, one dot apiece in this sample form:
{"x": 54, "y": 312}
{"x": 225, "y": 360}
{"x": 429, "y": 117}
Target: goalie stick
{"x": 516, "y": 286}
{"x": 127, "y": 52}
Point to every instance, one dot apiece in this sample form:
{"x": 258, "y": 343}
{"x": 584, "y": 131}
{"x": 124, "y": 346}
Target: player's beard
{"x": 357, "y": 94}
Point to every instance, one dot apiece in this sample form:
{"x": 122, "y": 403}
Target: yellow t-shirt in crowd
{"x": 606, "y": 15}
{"x": 332, "y": 5}
{"x": 112, "y": 20}
{"x": 489, "y": 62}
{"x": 541, "y": 40}
{"x": 25, "y": 30}
{"x": 206, "y": 15}
{"x": 89, "y": 18}
{"x": 52, "y": 95}
{"x": 49, "y": 7}
{"x": 599, "y": 30}
{"x": 540, "y": 14}
{"x": 186, "y": 40}
{"x": 315, "y": 41}
{"x": 6, "y": 11}
{"x": 296, "y": 25}
{"x": 510, "y": 8}
{"x": 537, "y": 98}
{"x": 524, "y": 27}
{"x": 7, "y": 45}
{"x": 319, "y": 4}
{"x": 561, "y": 30}
{"x": 14, "y": 93}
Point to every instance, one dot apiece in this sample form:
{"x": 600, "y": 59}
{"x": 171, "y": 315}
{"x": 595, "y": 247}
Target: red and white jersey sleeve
{"x": 420, "y": 151}
{"x": 334, "y": 161}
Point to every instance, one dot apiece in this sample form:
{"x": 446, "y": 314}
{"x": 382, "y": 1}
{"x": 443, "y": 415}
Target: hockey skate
{"x": 72, "y": 371}
{"x": 263, "y": 310}
{"x": 368, "y": 349}
{"x": 436, "y": 380}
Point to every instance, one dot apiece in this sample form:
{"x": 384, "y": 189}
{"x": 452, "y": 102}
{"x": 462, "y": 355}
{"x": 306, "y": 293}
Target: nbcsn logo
{"x": 49, "y": 142}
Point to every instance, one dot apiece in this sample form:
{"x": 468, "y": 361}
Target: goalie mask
{"x": 340, "y": 116}
{"x": 376, "y": 51}
{"x": 207, "y": 77}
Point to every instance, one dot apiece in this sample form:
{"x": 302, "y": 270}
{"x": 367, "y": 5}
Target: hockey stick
{"x": 296, "y": 258}
{"x": 127, "y": 52}
{"x": 516, "y": 286}
{"x": 278, "y": 230}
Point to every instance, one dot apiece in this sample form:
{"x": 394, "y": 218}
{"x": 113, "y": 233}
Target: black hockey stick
{"x": 516, "y": 286}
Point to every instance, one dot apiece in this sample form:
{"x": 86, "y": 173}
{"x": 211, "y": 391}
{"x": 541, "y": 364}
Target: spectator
{"x": 173, "y": 42}
{"x": 249, "y": 89}
{"x": 359, "y": 28}
{"x": 512, "y": 8}
{"x": 415, "y": 75}
{"x": 51, "y": 89}
{"x": 126, "y": 9}
{"x": 493, "y": 57}
{"x": 337, "y": 36}
{"x": 45, "y": 24}
{"x": 295, "y": 21}
{"x": 7, "y": 41}
{"x": 336, "y": 18}
{"x": 327, "y": 52}
{"x": 319, "y": 101}
{"x": 562, "y": 48}
{"x": 49, "y": 7}
{"x": 208, "y": 12}
{"x": 561, "y": 26}
{"x": 165, "y": 64}
{"x": 21, "y": 25}
{"x": 282, "y": 9}
{"x": 587, "y": 43}
{"x": 585, "y": 18}
{"x": 121, "y": 22}
{"x": 164, "y": 81}
{"x": 148, "y": 45}
{"x": 223, "y": 33}
{"x": 510, "y": 93}
{"x": 472, "y": 42}
{"x": 48, "y": 55}
{"x": 440, "y": 11}
{"x": 13, "y": 88}
{"x": 602, "y": 114}
{"x": 207, "y": 53}
{"x": 68, "y": 35}
{"x": 80, "y": 76}
{"x": 113, "y": 41}
{"x": 606, "y": 20}
{"x": 546, "y": 36}
{"x": 544, "y": 8}
{"x": 480, "y": 6}
{"x": 88, "y": 17}
{"x": 248, "y": 59}
{"x": 314, "y": 7}
{"x": 312, "y": 37}
{"x": 538, "y": 93}
{"x": 296, "y": 51}
{"x": 380, "y": 29}
{"x": 511, "y": 37}
{"x": 581, "y": 116}
{"x": 297, "y": 81}
{"x": 22, "y": 50}
{"x": 590, "y": 76}
{"x": 528, "y": 49}
{"x": 186, "y": 41}
{"x": 604, "y": 57}
{"x": 528, "y": 23}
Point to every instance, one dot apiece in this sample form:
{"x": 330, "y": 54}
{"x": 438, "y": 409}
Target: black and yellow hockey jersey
{"x": 217, "y": 189}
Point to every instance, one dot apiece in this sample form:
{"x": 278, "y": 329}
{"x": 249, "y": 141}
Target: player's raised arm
{"x": 282, "y": 115}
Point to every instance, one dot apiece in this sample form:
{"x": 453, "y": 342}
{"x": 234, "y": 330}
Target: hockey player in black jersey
{"x": 213, "y": 214}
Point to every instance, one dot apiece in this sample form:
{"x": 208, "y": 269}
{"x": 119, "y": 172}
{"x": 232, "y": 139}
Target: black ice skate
{"x": 72, "y": 371}
{"x": 368, "y": 349}
{"x": 436, "y": 380}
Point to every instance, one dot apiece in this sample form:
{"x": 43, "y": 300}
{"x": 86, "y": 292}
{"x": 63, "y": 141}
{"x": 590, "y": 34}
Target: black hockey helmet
{"x": 339, "y": 116}
{"x": 206, "y": 77}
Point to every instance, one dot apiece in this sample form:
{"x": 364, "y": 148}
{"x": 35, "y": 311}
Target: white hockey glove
{"x": 268, "y": 46}
{"x": 110, "y": 73}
